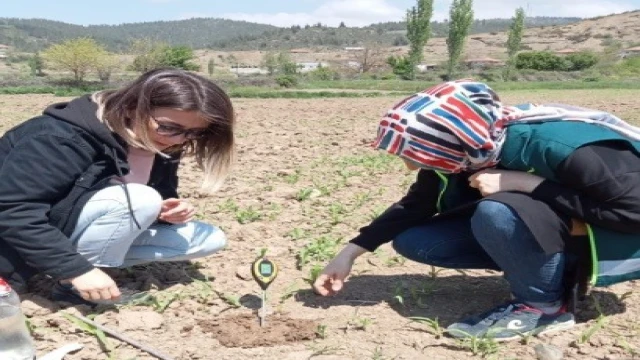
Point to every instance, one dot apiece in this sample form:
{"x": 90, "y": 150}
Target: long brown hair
{"x": 127, "y": 112}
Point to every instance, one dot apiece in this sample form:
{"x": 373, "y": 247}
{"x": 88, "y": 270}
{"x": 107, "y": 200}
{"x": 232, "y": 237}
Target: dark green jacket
{"x": 542, "y": 148}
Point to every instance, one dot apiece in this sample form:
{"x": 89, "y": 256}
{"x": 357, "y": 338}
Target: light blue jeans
{"x": 108, "y": 237}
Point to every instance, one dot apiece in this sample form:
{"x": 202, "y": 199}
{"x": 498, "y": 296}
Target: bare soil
{"x": 305, "y": 181}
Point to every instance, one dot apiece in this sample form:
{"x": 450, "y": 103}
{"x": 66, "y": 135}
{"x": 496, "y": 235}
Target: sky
{"x": 290, "y": 12}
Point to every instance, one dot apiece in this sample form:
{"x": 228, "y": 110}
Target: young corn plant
{"x": 433, "y": 326}
{"x": 248, "y": 215}
{"x": 321, "y": 331}
{"x": 480, "y": 345}
{"x": 396, "y": 260}
{"x": 228, "y": 206}
{"x": 297, "y": 234}
{"x": 92, "y": 330}
{"x": 321, "y": 249}
{"x": 292, "y": 178}
{"x": 304, "y": 194}
{"x": 233, "y": 300}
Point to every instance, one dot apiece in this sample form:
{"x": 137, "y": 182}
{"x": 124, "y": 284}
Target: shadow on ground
{"x": 447, "y": 298}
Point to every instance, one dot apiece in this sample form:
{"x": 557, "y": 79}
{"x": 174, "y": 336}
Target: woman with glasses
{"x": 92, "y": 183}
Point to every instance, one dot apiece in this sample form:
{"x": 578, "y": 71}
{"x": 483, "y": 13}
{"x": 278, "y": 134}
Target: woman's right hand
{"x": 331, "y": 279}
{"x": 96, "y": 285}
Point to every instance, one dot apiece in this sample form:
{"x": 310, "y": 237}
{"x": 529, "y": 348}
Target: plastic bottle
{"x": 15, "y": 341}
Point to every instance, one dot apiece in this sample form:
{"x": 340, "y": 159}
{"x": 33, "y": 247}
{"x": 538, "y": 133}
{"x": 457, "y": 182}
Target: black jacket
{"x": 49, "y": 168}
{"x": 598, "y": 183}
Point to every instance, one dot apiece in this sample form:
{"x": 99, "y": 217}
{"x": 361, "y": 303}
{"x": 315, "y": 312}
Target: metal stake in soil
{"x": 264, "y": 271}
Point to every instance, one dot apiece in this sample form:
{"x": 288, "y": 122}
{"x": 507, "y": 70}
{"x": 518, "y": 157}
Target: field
{"x": 305, "y": 181}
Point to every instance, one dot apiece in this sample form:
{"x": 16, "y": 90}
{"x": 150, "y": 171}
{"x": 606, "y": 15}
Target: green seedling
{"x": 378, "y": 355}
{"x": 586, "y": 335}
{"x": 274, "y": 211}
{"x": 625, "y": 296}
{"x": 296, "y": 234}
{"x": 359, "y": 323}
{"x": 434, "y": 271}
{"x": 290, "y": 291}
{"x": 159, "y": 302}
{"x": 321, "y": 331}
{"x": 396, "y": 260}
{"x": 433, "y": 326}
{"x": 92, "y": 330}
{"x": 232, "y": 300}
{"x": 248, "y": 215}
{"x": 398, "y": 294}
{"x": 314, "y": 273}
{"x": 599, "y": 324}
{"x": 304, "y": 194}
{"x": 228, "y": 206}
{"x": 317, "y": 350}
{"x": 479, "y": 345}
{"x": 204, "y": 291}
{"x": 361, "y": 199}
{"x": 321, "y": 249}
{"x": 292, "y": 178}
{"x": 336, "y": 212}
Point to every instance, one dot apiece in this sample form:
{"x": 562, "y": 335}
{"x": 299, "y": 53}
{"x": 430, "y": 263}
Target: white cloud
{"x": 332, "y": 12}
{"x": 366, "y": 12}
{"x": 487, "y": 9}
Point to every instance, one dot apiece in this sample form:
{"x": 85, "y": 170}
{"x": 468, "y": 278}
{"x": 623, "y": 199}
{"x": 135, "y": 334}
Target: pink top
{"x": 140, "y": 164}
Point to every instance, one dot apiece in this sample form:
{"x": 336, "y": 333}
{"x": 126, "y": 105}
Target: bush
{"x": 324, "y": 73}
{"x": 582, "y": 60}
{"x": 287, "y": 81}
{"x": 541, "y": 61}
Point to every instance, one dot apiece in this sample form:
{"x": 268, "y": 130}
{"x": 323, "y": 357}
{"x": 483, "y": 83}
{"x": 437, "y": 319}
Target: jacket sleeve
{"x": 599, "y": 184}
{"x": 416, "y": 206}
{"x": 36, "y": 173}
{"x": 164, "y": 176}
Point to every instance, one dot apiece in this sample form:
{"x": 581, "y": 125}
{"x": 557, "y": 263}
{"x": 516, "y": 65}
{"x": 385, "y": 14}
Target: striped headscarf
{"x": 459, "y": 126}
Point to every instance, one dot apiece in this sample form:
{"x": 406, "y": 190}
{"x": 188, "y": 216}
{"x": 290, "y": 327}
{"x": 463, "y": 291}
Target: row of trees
{"x": 419, "y": 30}
{"x": 418, "y": 22}
{"x": 83, "y": 55}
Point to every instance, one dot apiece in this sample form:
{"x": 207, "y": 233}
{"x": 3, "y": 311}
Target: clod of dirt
{"x": 245, "y": 331}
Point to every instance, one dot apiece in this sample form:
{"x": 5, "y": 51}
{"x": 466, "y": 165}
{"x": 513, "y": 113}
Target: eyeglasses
{"x": 165, "y": 129}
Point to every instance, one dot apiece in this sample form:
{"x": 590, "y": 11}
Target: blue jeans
{"x": 493, "y": 238}
{"x": 108, "y": 237}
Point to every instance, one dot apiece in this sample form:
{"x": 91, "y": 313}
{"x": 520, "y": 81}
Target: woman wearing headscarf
{"x": 548, "y": 194}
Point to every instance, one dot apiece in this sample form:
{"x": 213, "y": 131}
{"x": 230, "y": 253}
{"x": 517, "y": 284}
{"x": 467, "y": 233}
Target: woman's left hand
{"x": 492, "y": 181}
{"x": 176, "y": 211}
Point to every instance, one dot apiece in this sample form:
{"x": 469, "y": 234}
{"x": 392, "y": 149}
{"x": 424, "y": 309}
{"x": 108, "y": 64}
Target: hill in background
{"x": 31, "y": 35}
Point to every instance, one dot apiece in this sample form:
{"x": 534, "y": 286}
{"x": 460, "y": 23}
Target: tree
{"x": 148, "y": 54}
{"x": 515, "y": 39}
{"x": 370, "y": 57}
{"x": 402, "y": 66}
{"x": 211, "y": 66}
{"x": 106, "y": 64}
{"x": 342, "y": 25}
{"x": 36, "y": 64}
{"x": 178, "y": 57}
{"x": 419, "y": 29}
{"x": 78, "y": 56}
{"x": 286, "y": 66}
{"x": 461, "y": 18}
{"x": 270, "y": 62}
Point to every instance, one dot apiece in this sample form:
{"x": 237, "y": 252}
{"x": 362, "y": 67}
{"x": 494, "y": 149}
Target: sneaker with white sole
{"x": 512, "y": 321}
